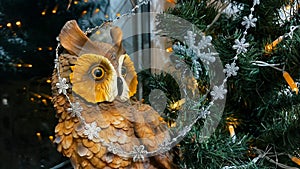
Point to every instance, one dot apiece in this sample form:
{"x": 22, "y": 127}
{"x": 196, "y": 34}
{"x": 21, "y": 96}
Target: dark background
{"x": 27, "y": 51}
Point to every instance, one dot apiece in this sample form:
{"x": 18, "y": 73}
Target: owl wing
{"x": 153, "y": 131}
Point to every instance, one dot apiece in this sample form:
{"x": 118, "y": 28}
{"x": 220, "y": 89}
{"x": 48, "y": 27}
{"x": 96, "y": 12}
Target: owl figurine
{"x": 100, "y": 125}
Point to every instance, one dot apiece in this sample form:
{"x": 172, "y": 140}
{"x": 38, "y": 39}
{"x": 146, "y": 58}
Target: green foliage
{"x": 267, "y": 117}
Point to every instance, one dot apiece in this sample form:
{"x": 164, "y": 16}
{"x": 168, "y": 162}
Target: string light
{"x": 170, "y": 49}
{"x": 1, "y": 26}
{"x": 295, "y": 159}
{"x": 44, "y": 12}
{"x": 18, "y": 23}
{"x": 39, "y": 136}
{"x": 285, "y": 74}
{"x": 50, "y": 48}
{"x": 23, "y": 65}
{"x": 9, "y": 24}
{"x": 270, "y": 47}
{"x": 55, "y": 9}
{"x": 106, "y": 16}
{"x": 40, "y": 49}
{"x": 86, "y": 1}
{"x": 232, "y": 133}
{"x": 45, "y": 102}
{"x": 118, "y": 14}
{"x": 83, "y": 12}
{"x": 172, "y": 1}
{"x": 96, "y": 10}
{"x": 75, "y": 2}
{"x": 48, "y": 81}
{"x": 290, "y": 82}
{"x": 51, "y": 138}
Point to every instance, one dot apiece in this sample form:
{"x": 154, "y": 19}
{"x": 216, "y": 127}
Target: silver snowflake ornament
{"x": 144, "y": 1}
{"x": 138, "y": 153}
{"x": 218, "y": 92}
{"x": 204, "y": 113}
{"x": 75, "y": 110}
{"x": 190, "y": 39}
{"x": 205, "y": 42}
{"x": 240, "y": 46}
{"x": 91, "y": 130}
{"x": 62, "y": 86}
{"x": 256, "y": 2}
{"x": 208, "y": 57}
{"x": 112, "y": 148}
{"x": 56, "y": 63}
{"x": 164, "y": 146}
{"x": 249, "y": 21}
{"x": 231, "y": 69}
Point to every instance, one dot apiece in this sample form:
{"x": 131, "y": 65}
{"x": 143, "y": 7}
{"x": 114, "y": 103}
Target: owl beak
{"x": 120, "y": 86}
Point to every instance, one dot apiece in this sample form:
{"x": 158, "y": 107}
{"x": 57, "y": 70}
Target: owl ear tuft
{"x": 116, "y": 35}
{"x": 75, "y": 41}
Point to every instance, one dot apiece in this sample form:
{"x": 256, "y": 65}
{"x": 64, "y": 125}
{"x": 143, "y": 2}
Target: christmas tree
{"x": 260, "y": 42}
{"x": 257, "y": 42}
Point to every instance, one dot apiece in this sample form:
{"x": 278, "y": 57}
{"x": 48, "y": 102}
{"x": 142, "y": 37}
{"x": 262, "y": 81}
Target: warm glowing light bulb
{"x": 270, "y": 47}
{"x": 54, "y": 9}
{"x": 295, "y": 160}
{"x": 44, "y": 12}
{"x": 51, "y": 138}
{"x": 75, "y": 2}
{"x": 44, "y": 101}
{"x": 18, "y": 23}
{"x": 118, "y": 14}
{"x": 290, "y": 82}
{"x": 9, "y": 25}
{"x": 97, "y": 10}
{"x": 39, "y": 136}
{"x": 172, "y": 1}
{"x": 48, "y": 81}
{"x": 232, "y": 133}
{"x": 50, "y": 48}
{"x": 231, "y": 130}
{"x": 39, "y": 48}
{"x": 169, "y": 49}
{"x": 84, "y": 12}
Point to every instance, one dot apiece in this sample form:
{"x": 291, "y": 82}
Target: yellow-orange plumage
{"x": 122, "y": 122}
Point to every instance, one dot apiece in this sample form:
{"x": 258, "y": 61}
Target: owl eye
{"x": 123, "y": 71}
{"x": 98, "y": 73}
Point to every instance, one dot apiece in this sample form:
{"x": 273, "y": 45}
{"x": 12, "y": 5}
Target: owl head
{"x": 103, "y": 71}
